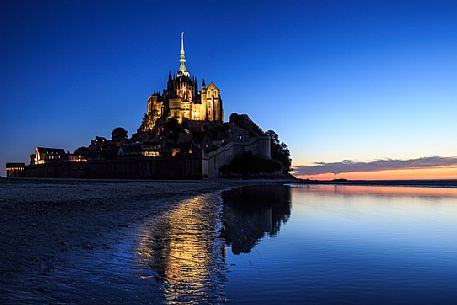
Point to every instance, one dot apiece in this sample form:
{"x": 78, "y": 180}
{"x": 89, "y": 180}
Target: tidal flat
{"x": 53, "y": 233}
{"x": 234, "y": 242}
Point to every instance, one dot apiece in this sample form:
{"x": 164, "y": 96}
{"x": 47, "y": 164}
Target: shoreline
{"x": 46, "y": 222}
{"x": 430, "y": 183}
{"x": 56, "y": 232}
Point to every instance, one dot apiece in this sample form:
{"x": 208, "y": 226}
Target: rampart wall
{"x": 259, "y": 146}
{"x": 197, "y": 167}
{"x": 157, "y": 168}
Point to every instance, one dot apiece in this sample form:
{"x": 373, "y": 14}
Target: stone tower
{"x": 204, "y": 101}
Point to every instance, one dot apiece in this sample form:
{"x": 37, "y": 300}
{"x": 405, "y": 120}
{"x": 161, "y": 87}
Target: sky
{"x": 341, "y": 82}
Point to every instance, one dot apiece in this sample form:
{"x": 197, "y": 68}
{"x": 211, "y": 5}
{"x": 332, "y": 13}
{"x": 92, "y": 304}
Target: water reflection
{"x": 380, "y": 190}
{"x": 183, "y": 251}
{"x": 353, "y": 245}
{"x": 251, "y": 212}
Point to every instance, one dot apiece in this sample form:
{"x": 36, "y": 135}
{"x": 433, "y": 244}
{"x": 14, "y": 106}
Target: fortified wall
{"x": 197, "y": 167}
{"x": 258, "y": 146}
{"x": 153, "y": 168}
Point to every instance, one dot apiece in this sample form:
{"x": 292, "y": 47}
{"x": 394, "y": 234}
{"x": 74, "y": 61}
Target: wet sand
{"x": 48, "y": 225}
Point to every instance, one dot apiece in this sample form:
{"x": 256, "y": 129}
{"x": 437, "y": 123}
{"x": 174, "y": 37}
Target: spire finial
{"x": 182, "y": 58}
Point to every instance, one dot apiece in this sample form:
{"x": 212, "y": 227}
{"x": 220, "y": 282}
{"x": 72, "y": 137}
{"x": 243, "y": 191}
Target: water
{"x": 342, "y": 245}
{"x": 274, "y": 244}
{"x": 308, "y": 244}
{"x": 182, "y": 253}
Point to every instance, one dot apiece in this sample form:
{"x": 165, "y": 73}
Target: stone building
{"x": 183, "y": 100}
{"x": 45, "y": 155}
{"x": 15, "y": 169}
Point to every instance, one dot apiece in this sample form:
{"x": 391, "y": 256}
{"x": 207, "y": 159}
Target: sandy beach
{"x": 47, "y": 223}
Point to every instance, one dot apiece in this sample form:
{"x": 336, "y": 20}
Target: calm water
{"x": 342, "y": 245}
{"x": 307, "y": 244}
{"x": 273, "y": 245}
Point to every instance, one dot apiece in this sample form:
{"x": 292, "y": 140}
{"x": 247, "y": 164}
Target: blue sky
{"x": 337, "y": 80}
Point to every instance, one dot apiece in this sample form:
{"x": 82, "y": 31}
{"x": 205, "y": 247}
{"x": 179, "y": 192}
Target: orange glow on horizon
{"x": 399, "y": 174}
{"x": 392, "y": 191}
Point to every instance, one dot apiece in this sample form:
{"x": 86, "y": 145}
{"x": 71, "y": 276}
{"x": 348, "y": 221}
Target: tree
{"x": 279, "y": 151}
{"x": 173, "y": 128}
{"x": 81, "y": 151}
{"x": 247, "y": 164}
{"x": 155, "y": 113}
{"x": 244, "y": 122}
{"x": 149, "y": 120}
{"x": 119, "y": 133}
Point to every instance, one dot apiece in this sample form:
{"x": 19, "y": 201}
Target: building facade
{"x": 183, "y": 100}
{"x": 15, "y": 169}
{"x": 45, "y": 155}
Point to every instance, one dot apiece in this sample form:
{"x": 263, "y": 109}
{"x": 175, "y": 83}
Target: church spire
{"x": 182, "y": 59}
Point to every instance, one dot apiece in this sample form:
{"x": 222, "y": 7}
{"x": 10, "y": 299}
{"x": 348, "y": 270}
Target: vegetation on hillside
{"x": 244, "y": 122}
{"x": 280, "y": 152}
{"x": 119, "y": 133}
{"x": 244, "y": 165}
{"x": 248, "y": 165}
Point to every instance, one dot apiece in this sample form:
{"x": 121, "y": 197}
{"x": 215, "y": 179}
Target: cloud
{"x": 372, "y": 166}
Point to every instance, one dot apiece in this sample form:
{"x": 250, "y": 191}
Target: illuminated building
{"x": 15, "y": 169}
{"x": 76, "y": 158}
{"x": 45, "y": 155}
{"x": 182, "y": 99}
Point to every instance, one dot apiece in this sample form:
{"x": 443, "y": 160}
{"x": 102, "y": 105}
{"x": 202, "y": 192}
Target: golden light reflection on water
{"x": 184, "y": 251}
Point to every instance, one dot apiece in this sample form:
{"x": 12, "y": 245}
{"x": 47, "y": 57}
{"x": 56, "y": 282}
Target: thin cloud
{"x": 347, "y": 166}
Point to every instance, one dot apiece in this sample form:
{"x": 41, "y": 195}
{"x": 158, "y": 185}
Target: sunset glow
{"x": 402, "y": 174}
{"x": 387, "y": 191}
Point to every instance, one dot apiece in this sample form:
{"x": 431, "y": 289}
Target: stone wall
{"x": 156, "y": 168}
{"x": 197, "y": 167}
{"x": 259, "y": 146}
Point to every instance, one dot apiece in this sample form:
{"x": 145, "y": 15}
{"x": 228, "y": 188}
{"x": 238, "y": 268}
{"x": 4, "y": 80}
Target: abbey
{"x": 182, "y": 99}
{"x": 182, "y": 136}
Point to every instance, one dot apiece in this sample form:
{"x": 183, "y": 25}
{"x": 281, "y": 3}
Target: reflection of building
{"x": 182, "y": 99}
{"x": 253, "y": 211}
{"x": 184, "y": 250}
{"x": 15, "y": 169}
